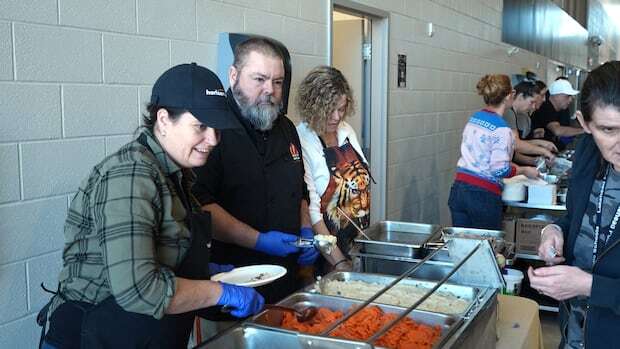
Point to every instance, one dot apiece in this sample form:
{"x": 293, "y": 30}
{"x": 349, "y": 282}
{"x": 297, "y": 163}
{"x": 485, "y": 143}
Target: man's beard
{"x": 262, "y": 113}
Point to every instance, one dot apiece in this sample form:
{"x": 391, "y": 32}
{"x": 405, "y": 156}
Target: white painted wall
{"x": 347, "y": 51}
{"x": 74, "y": 75}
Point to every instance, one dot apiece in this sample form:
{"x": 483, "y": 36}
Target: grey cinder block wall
{"x": 74, "y": 75}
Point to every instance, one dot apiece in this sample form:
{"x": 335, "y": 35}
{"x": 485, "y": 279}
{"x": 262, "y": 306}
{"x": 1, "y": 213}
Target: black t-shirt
{"x": 543, "y": 116}
{"x": 565, "y": 117}
{"x": 257, "y": 177}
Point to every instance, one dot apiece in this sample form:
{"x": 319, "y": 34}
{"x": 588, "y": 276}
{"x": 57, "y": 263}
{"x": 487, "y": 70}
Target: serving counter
{"x": 519, "y": 204}
{"x": 451, "y": 262}
{"x": 516, "y": 318}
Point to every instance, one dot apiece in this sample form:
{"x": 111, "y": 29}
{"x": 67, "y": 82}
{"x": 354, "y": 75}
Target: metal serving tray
{"x": 248, "y": 336}
{"x": 466, "y": 293}
{"x": 493, "y": 234}
{"x": 273, "y": 318}
{"x": 432, "y": 270}
{"x": 499, "y": 246}
{"x": 398, "y": 238}
{"x": 251, "y": 337}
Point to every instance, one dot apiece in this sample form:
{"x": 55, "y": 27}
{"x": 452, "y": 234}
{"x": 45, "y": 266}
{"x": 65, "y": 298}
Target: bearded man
{"x": 253, "y": 183}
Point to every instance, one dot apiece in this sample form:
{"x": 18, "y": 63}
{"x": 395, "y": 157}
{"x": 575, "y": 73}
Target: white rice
{"x": 399, "y": 295}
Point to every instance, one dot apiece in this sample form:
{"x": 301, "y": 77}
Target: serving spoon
{"x": 322, "y": 245}
{"x": 302, "y": 315}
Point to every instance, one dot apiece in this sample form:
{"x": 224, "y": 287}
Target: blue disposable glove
{"x": 308, "y": 255}
{"x": 219, "y": 268}
{"x": 244, "y": 301}
{"x": 276, "y": 243}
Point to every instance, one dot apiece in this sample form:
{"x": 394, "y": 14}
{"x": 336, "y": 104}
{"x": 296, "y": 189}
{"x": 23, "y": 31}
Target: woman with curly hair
{"x": 337, "y": 173}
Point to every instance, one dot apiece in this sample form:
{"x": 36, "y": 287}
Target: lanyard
{"x": 599, "y": 214}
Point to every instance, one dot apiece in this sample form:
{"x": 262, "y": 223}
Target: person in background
{"x": 585, "y": 238}
{"x": 337, "y": 173}
{"x": 517, "y": 116}
{"x": 486, "y": 152}
{"x": 565, "y": 117}
{"x": 253, "y": 183}
{"x": 566, "y": 120}
{"x": 548, "y": 116}
{"x": 543, "y": 90}
{"x": 135, "y": 261}
{"x": 542, "y": 94}
{"x": 518, "y": 119}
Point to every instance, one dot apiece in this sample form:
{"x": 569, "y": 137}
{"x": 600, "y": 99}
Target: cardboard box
{"x": 509, "y": 226}
{"x": 527, "y": 235}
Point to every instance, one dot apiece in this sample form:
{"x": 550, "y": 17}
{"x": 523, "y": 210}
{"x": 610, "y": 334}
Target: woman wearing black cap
{"x": 135, "y": 262}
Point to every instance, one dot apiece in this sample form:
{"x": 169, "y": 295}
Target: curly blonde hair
{"x": 318, "y": 95}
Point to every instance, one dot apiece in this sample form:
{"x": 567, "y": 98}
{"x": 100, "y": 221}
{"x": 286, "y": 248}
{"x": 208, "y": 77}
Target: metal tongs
{"x": 324, "y": 246}
{"x": 541, "y": 165}
{"x": 352, "y": 222}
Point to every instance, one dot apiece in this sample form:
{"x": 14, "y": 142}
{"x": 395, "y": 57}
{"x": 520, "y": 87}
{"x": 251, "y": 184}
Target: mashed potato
{"x": 399, "y": 295}
{"x": 329, "y": 239}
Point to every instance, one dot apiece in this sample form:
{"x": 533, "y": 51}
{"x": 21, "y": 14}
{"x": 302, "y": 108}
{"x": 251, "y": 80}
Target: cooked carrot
{"x": 404, "y": 335}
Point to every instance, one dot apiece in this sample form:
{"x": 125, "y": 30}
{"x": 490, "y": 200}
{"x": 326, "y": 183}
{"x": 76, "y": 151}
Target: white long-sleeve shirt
{"x": 316, "y": 171}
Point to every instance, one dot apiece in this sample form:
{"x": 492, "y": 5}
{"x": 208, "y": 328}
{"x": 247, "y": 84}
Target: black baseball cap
{"x": 199, "y": 91}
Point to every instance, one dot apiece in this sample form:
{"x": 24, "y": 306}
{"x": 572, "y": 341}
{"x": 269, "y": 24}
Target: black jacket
{"x": 259, "y": 179}
{"x": 603, "y": 313}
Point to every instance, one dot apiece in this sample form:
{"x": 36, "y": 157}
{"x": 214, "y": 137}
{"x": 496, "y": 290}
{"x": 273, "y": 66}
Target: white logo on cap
{"x": 220, "y": 93}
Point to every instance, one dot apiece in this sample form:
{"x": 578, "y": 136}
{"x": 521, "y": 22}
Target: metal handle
{"x": 352, "y": 222}
{"x": 303, "y": 242}
{"x": 378, "y": 294}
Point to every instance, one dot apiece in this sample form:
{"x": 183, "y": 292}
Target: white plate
{"x": 252, "y": 275}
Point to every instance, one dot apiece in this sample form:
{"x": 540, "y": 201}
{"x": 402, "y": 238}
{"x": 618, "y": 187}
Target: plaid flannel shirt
{"x": 125, "y": 231}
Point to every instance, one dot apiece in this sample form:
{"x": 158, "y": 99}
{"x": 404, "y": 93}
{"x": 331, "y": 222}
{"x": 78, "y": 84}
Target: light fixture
{"x": 513, "y": 51}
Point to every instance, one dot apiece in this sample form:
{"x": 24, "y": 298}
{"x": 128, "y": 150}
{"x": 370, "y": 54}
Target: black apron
{"x": 260, "y": 182}
{"x": 106, "y": 325}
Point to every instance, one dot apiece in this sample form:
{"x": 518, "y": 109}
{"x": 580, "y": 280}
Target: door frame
{"x": 378, "y": 96}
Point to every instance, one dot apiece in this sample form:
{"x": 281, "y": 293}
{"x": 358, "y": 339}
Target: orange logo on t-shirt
{"x": 294, "y": 152}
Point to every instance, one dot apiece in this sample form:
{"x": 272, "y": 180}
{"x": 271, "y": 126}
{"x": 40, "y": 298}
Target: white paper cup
{"x": 513, "y": 282}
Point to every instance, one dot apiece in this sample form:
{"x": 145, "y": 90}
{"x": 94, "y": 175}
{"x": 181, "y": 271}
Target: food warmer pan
{"x": 400, "y": 239}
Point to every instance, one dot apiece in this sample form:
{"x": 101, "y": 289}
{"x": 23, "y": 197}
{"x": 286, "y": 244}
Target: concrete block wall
{"x": 74, "y": 76}
{"x": 426, "y": 118}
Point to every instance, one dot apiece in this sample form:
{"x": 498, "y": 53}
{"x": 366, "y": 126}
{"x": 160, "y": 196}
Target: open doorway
{"x": 350, "y": 37}
{"x": 359, "y": 48}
